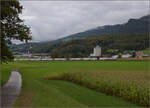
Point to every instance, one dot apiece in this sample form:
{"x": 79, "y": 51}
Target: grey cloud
{"x": 52, "y": 20}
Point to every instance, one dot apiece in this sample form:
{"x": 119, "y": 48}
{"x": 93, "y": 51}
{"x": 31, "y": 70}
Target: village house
{"x": 139, "y": 54}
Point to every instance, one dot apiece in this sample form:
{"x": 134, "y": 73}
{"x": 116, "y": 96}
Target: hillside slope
{"x": 133, "y": 27}
{"x": 111, "y": 44}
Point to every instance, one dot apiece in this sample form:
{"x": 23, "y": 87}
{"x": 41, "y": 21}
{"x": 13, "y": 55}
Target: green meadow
{"x": 81, "y": 83}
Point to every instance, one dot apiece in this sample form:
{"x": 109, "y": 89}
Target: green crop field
{"x": 81, "y": 83}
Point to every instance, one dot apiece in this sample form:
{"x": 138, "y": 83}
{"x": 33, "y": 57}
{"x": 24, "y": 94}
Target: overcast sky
{"x": 51, "y": 20}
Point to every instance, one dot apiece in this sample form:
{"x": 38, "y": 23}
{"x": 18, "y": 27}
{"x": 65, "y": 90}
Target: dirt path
{"x": 11, "y": 90}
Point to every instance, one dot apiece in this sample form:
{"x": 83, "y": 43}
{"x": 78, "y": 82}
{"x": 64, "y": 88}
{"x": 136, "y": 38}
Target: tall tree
{"x": 12, "y": 27}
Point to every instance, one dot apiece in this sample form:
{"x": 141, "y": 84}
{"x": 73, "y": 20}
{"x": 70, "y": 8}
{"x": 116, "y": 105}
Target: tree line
{"x": 111, "y": 44}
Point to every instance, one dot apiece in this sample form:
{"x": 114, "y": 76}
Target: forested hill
{"x": 133, "y": 26}
{"x": 135, "y": 30}
{"x": 111, "y": 44}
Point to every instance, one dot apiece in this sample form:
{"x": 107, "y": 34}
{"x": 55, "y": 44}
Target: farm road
{"x": 11, "y": 90}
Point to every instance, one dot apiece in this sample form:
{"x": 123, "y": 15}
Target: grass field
{"x": 43, "y": 84}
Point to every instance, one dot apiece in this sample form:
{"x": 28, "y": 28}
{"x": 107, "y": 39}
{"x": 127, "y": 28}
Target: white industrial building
{"x": 126, "y": 56}
{"x": 96, "y": 51}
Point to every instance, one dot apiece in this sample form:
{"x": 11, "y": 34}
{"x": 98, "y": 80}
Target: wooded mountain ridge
{"x": 132, "y": 35}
